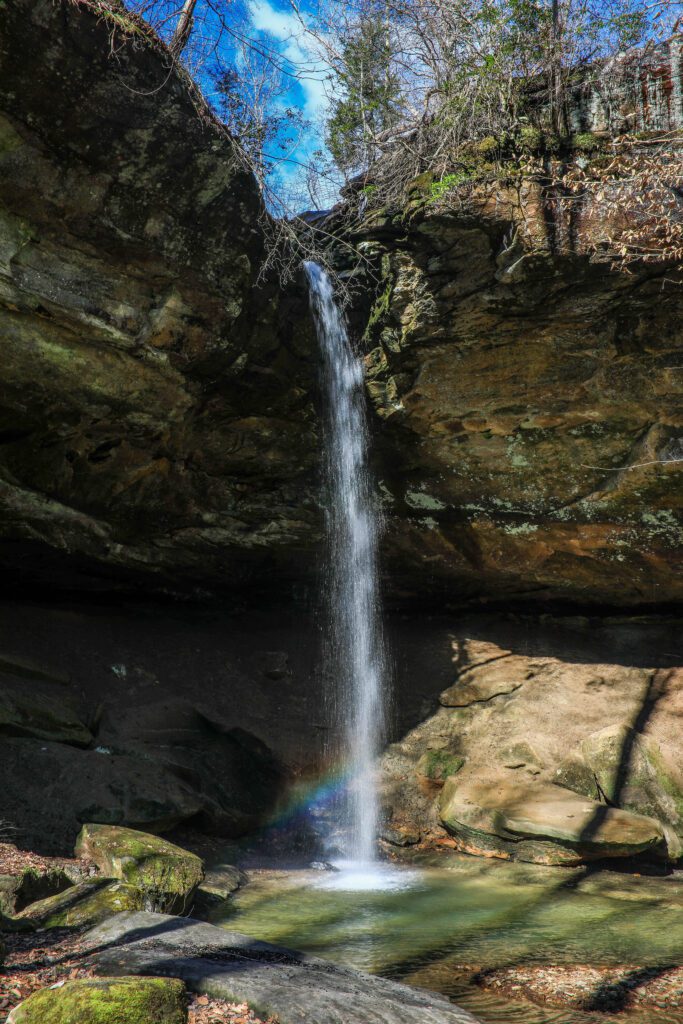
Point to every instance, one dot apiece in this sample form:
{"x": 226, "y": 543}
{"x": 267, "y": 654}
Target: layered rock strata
{"x": 540, "y": 753}
{"x": 155, "y": 417}
{"x": 530, "y": 399}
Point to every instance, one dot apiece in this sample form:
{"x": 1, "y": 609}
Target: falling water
{"x": 356, "y": 641}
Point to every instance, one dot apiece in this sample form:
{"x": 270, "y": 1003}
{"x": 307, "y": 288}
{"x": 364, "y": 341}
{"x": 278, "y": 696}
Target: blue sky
{"x": 283, "y": 29}
{"x": 278, "y": 30}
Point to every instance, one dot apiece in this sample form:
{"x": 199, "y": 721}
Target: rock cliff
{"x": 530, "y": 400}
{"x": 155, "y": 414}
{"x": 158, "y": 417}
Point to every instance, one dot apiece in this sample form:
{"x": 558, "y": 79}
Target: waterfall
{"x": 356, "y": 649}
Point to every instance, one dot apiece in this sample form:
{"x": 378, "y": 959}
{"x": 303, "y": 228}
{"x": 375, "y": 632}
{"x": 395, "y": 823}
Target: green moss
{"x": 585, "y": 142}
{"x": 530, "y": 139}
{"x": 421, "y": 185}
{"x": 379, "y": 309}
{"x": 85, "y": 904}
{"x": 107, "y": 1001}
{"x": 488, "y": 147}
{"x": 438, "y": 189}
{"x": 166, "y": 874}
{"x": 437, "y": 765}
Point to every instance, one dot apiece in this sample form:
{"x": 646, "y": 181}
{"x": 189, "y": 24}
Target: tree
{"x": 183, "y": 29}
{"x": 250, "y": 101}
{"x": 371, "y": 95}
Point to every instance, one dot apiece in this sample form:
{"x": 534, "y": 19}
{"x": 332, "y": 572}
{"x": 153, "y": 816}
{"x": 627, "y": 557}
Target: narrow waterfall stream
{"x": 358, "y": 665}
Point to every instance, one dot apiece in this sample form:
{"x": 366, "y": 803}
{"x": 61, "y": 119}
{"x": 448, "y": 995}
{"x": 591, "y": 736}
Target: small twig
{"x": 637, "y": 465}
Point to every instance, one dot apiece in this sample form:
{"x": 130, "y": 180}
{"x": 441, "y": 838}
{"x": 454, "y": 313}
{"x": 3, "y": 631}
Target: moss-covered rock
{"x": 87, "y": 903}
{"x": 106, "y": 1001}
{"x": 618, "y": 765}
{"x": 165, "y": 873}
{"x": 437, "y": 765}
{"x": 19, "y": 890}
{"x": 15, "y": 924}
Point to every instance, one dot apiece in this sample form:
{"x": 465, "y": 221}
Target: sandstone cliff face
{"x": 155, "y": 412}
{"x": 534, "y": 714}
{"x": 157, "y": 419}
{"x": 531, "y": 409}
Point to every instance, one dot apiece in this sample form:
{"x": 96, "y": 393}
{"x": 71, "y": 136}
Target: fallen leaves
{"x": 48, "y": 959}
{"x": 584, "y": 987}
{"x": 204, "y": 1010}
{"x": 14, "y": 861}
{"x": 39, "y": 960}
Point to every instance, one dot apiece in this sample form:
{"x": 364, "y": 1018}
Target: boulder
{"x": 220, "y": 882}
{"x": 236, "y": 777}
{"x": 626, "y": 769}
{"x": 31, "y": 713}
{"x": 289, "y": 986}
{"x": 500, "y": 679}
{"x": 568, "y": 692}
{"x": 31, "y": 884}
{"x": 105, "y": 1001}
{"x": 15, "y": 924}
{"x": 166, "y": 874}
{"x": 49, "y": 790}
{"x": 399, "y": 833}
{"x": 87, "y": 903}
{"x": 541, "y": 823}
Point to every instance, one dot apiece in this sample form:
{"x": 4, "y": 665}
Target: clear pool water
{"x": 431, "y": 926}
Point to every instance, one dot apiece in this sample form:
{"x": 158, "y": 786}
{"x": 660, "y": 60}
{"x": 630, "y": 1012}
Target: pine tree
{"x": 370, "y": 103}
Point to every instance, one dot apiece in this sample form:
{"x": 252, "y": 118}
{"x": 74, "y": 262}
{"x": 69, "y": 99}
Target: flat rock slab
{"x": 535, "y": 821}
{"x": 295, "y": 988}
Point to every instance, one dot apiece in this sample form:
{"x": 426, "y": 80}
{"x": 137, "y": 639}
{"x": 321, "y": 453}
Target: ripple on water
{"x": 435, "y": 928}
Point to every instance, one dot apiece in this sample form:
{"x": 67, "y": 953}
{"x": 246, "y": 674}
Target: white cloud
{"x": 297, "y": 47}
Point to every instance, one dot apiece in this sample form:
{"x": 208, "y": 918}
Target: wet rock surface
{"x": 289, "y": 985}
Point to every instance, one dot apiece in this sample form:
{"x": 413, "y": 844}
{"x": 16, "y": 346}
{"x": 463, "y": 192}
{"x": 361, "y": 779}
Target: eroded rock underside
{"x": 157, "y": 416}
